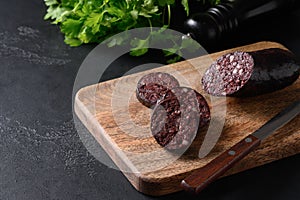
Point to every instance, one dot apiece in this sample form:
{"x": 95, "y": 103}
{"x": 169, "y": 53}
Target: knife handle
{"x": 202, "y": 177}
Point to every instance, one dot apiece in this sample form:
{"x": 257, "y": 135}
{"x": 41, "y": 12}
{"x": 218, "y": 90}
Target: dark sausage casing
{"x": 251, "y": 73}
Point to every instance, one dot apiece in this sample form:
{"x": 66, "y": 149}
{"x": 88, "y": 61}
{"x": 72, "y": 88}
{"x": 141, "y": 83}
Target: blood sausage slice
{"x": 251, "y": 73}
{"x": 154, "y": 86}
{"x": 177, "y": 118}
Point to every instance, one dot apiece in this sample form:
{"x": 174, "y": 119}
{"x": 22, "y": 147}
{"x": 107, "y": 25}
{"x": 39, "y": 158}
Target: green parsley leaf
{"x": 165, "y": 2}
{"x": 185, "y": 4}
{"x": 140, "y": 46}
{"x": 71, "y": 27}
{"x": 88, "y": 21}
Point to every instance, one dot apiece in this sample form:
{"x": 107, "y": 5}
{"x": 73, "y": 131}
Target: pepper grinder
{"x": 209, "y": 27}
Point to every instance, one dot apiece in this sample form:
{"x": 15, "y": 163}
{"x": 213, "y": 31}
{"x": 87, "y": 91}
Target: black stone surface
{"x": 41, "y": 154}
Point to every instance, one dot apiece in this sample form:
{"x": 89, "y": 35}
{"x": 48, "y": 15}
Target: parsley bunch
{"x": 90, "y": 21}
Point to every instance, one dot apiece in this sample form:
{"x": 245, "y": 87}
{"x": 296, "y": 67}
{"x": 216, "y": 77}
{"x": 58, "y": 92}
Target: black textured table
{"x": 41, "y": 154}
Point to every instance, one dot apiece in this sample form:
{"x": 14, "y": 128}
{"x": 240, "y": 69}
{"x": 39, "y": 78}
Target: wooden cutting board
{"x": 120, "y": 124}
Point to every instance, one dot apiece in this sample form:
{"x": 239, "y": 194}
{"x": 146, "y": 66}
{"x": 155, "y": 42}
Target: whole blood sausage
{"x": 251, "y": 73}
{"x": 153, "y": 86}
{"x": 177, "y": 118}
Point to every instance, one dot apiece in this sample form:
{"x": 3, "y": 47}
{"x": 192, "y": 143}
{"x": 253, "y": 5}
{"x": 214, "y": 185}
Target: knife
{"x": 202, "y": 177}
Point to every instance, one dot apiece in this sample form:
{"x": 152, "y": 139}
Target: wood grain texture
{"x": 120, "y": 124}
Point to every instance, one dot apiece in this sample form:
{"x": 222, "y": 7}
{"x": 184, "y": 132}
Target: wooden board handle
{"x": 202, "y": 177}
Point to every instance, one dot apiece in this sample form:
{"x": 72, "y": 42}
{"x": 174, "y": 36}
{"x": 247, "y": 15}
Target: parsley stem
{"x": 169, "y": 14}
{"x": 150, "y": 23}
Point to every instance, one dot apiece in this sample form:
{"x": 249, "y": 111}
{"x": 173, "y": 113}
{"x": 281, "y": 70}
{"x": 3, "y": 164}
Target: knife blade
{"x": 202, "y": 177}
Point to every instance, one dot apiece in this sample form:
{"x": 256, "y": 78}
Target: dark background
{"x": 41, "y": 155}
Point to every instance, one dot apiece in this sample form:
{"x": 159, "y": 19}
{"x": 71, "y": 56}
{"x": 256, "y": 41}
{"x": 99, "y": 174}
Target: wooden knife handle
{"x": 202, "y": 177}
